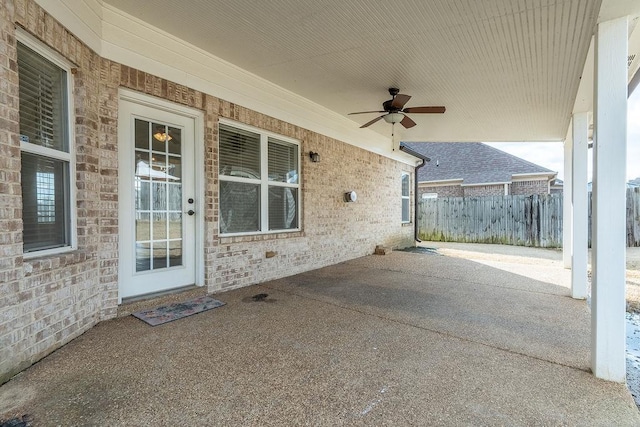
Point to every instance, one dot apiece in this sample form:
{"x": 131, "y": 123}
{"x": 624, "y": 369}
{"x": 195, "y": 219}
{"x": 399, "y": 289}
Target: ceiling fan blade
{"x": 366, "y": 112}
{"x": 371, "y": 122}
{"x": 432, "y": 110}
{"x": 399, "y": 100}
{"x": 407, "y": 122}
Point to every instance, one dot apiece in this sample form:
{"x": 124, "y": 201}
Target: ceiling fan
{"x": 394, "y": 113}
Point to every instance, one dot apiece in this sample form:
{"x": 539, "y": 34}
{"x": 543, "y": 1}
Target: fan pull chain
{"x": 393, "y": 138}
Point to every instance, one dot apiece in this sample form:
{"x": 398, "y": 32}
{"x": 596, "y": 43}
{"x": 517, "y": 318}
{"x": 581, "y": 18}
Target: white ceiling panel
{"x": 506, "y": 70}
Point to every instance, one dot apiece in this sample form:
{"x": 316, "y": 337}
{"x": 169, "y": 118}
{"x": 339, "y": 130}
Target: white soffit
{"x": 506, "y": 70}
{"x": 613, "y": 9}
{"x": 634, "y": 48}
{"x": 610, "y": 10}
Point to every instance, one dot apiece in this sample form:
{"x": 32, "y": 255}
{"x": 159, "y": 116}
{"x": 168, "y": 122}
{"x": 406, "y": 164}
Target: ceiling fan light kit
{"x": 395, "y": 113}
{"x": 393, "y": 118}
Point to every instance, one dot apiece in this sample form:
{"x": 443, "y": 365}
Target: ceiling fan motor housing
{"x": 386, "y": 105}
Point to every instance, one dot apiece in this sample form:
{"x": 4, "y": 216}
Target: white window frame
{"x": 69, "y": 157}
{"x": 263, "y": 181}
{"x": 406, "y": 197}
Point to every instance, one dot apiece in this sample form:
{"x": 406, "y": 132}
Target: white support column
{"x": 579, "y": 206}
{"x": 567, "y": 189}
{"x": 609, "y": 200}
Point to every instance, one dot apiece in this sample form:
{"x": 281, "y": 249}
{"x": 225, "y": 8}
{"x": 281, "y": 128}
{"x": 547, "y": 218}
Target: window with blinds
{"x": 406, "y": 201}
{"x": 259, "y": 183}
{"x": 46, "y": 159}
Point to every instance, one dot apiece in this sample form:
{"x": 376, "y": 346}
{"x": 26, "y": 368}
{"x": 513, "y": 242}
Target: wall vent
{"x": 630, "y": 59}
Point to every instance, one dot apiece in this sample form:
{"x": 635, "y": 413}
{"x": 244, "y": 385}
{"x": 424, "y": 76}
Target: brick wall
{"x": 46, "y": 302}
{"x": 14, "y": 298}
{"x": 50, "y": 300}
{"x": 442, "y": 191}
{"x": 484, "y": 190}
{"x": 333, "y": 230}
{"x": 527, "y": 188}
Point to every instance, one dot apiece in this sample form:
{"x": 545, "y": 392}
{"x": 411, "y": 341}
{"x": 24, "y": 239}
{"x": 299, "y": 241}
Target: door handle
{"x": 190, "y": 212}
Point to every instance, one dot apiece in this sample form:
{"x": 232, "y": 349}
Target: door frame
{"x": 130, "y": 96}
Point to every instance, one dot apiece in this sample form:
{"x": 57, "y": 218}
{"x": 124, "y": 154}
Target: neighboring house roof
{"x": 474, "y": 163}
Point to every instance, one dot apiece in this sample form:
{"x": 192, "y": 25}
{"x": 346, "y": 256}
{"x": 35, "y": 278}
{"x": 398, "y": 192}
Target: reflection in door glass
{"x": 143, "y": 227}
{"x": 158, "y": 196}
{"x": 159, "y": 138}
{"x": 159, "y": 229}
{"x": 159, "y": 254}
{"x": 175, "y": 253}
{"x": 175, "y": 196}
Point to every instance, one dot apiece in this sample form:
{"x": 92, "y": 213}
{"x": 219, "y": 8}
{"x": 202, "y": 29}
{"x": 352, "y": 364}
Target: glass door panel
{"x": 158, "y": 196}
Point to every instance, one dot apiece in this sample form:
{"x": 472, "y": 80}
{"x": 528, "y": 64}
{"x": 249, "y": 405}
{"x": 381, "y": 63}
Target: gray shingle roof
{"x": 473, "y": 162}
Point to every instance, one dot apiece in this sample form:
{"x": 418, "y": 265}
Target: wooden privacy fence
{"x": 511, "y": 220}
{"x": 633, "y": 217}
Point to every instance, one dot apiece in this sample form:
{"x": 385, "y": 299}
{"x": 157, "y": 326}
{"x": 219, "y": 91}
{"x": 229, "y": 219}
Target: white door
{"x": 156, "y": 200}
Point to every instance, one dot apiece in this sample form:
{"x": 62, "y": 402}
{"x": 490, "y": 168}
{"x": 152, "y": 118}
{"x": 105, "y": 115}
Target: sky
{"x": 551, "y": 154}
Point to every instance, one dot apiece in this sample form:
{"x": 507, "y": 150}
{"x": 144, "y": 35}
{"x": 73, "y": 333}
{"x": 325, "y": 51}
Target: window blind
{"x": 239, "y": 153}
{"x": 283, "y": 212}
{"x": 42, "y": 100}
{"x": 405, "y": 185}
{"x": 283, "y": 161}
{"x": 406, "y": 204}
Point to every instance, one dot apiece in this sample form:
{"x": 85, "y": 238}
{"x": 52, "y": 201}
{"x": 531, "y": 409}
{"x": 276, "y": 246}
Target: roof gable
{"x": 473, "y": 162}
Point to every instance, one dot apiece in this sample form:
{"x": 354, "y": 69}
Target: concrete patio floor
{"x": 400, "y": 339}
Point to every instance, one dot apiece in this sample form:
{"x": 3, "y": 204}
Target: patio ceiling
{"x": 506, "y": 70}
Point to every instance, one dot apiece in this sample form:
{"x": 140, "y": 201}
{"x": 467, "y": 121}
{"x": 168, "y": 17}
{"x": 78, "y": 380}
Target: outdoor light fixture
{"x": 393, "y": 118}
{"x": 315, "y": 157}
{"x": 162, "y": 136}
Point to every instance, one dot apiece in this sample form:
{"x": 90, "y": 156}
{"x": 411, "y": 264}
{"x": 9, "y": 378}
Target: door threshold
{"x": 147, "y": 301}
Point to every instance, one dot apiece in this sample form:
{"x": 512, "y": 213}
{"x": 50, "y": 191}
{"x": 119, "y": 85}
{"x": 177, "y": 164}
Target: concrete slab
{"x": 404, "y": 339}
